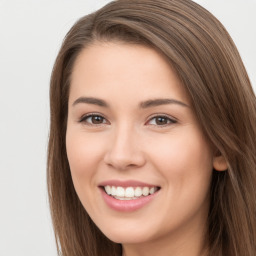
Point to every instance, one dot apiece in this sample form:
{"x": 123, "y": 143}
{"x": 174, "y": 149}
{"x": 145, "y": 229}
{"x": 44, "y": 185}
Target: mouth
{"x": 129, "y": 193}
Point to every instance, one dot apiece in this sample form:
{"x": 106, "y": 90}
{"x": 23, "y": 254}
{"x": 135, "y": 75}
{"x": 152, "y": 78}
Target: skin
{"x": 126, "y": 141}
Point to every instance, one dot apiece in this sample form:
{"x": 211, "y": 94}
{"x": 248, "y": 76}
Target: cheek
{"x": 185, "y": 163}
{"x": 84, "y": 155}
{"x": 184, "y": 157}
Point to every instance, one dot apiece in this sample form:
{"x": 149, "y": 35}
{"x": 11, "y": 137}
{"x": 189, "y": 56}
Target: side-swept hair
{"x": 206, "y": 60}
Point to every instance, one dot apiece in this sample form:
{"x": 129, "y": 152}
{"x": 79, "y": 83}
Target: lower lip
{"x": 127, "y": 205}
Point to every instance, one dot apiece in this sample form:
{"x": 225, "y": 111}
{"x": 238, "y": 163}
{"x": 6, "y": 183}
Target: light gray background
{"x": 31, "y": 32}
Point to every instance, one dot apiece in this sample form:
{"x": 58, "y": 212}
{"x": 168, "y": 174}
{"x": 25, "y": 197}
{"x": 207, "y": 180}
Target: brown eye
{"x": 161, "y": 121}
{"x": 93, "y": 120}
{"x": 97, "y": 119}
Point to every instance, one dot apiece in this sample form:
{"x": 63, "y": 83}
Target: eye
{"x": 93, "y": 119}
{"x": 161, "y": 120}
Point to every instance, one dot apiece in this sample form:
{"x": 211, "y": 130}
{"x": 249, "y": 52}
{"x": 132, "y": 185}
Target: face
{"x": 139, "y": 161}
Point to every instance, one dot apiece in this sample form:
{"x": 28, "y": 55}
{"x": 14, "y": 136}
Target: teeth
{"x": 129, "y": 193}
{"x": 120, "y": 192}
{"x": 152, "y": 191}
{"x": 145, "y": 191}
{"x": 108, "y": 190}
{"x": 138, "y": 192}
{"x": 113, "y": 191}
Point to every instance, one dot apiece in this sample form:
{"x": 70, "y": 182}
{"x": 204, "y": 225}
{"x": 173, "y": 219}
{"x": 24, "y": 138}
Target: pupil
{"x": 161, "y": 120}
{"x": 97, "y": 119}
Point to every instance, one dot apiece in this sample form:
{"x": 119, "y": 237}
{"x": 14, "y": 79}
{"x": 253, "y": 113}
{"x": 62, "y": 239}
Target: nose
{"x": 125, "y": 150}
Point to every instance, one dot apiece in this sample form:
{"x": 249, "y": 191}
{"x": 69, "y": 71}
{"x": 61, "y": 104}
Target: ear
{"x": 219, "y": 162}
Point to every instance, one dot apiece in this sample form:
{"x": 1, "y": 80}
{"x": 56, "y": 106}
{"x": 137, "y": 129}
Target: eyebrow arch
{"x": 158, "y": 102}
{"x": 90, "y": 100}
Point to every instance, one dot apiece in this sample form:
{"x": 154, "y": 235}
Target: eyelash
{"x": 85, "y": 117}
{"x": 166, "y": 117}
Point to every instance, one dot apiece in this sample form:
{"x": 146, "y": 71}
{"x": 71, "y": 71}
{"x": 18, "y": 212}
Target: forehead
{"x": 129, "y": 68}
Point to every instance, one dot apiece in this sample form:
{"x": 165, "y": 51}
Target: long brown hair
{"x": 208, "y": 63}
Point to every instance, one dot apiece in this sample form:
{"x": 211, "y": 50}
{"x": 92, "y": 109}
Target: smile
{"x": 128, "y": 196}
{"x": 129, "y": 193}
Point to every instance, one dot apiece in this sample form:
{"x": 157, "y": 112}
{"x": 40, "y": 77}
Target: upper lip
{"x": 125, "y": 183}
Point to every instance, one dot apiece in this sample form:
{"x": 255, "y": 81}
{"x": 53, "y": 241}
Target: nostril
{"x": 121, "y": 161}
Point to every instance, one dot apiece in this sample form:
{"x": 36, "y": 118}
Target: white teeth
{"x": 129, "y": 193}
{"x": 125, "y": 198}
{"x": 113, "y": 191}
{"x": 145, "y": 191}
{"x": 120, "y": 192}
{"x": 138, "y": 192}
{"x": 152, "y": 190}
{"x": 108, "y": 190}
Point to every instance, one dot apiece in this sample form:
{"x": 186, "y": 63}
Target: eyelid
{"x": 170, "y": 118}
{"x": 84, "y": 117}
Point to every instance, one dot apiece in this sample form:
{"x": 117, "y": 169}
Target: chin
{"x": 130, "y": 235}
{"x": 127, "y": 238}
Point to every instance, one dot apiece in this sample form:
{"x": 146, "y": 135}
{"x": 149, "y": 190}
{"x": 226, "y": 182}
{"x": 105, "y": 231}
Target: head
{"x": 212, "y": 81}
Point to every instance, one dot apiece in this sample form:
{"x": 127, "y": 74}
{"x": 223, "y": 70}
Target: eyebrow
{"x": 90, "y": 100}
{"x": 159, "y": 102}
{"x": 144, "y": 104}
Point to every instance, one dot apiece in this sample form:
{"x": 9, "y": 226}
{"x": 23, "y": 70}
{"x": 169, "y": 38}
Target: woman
{"x": 152, "y": 141}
